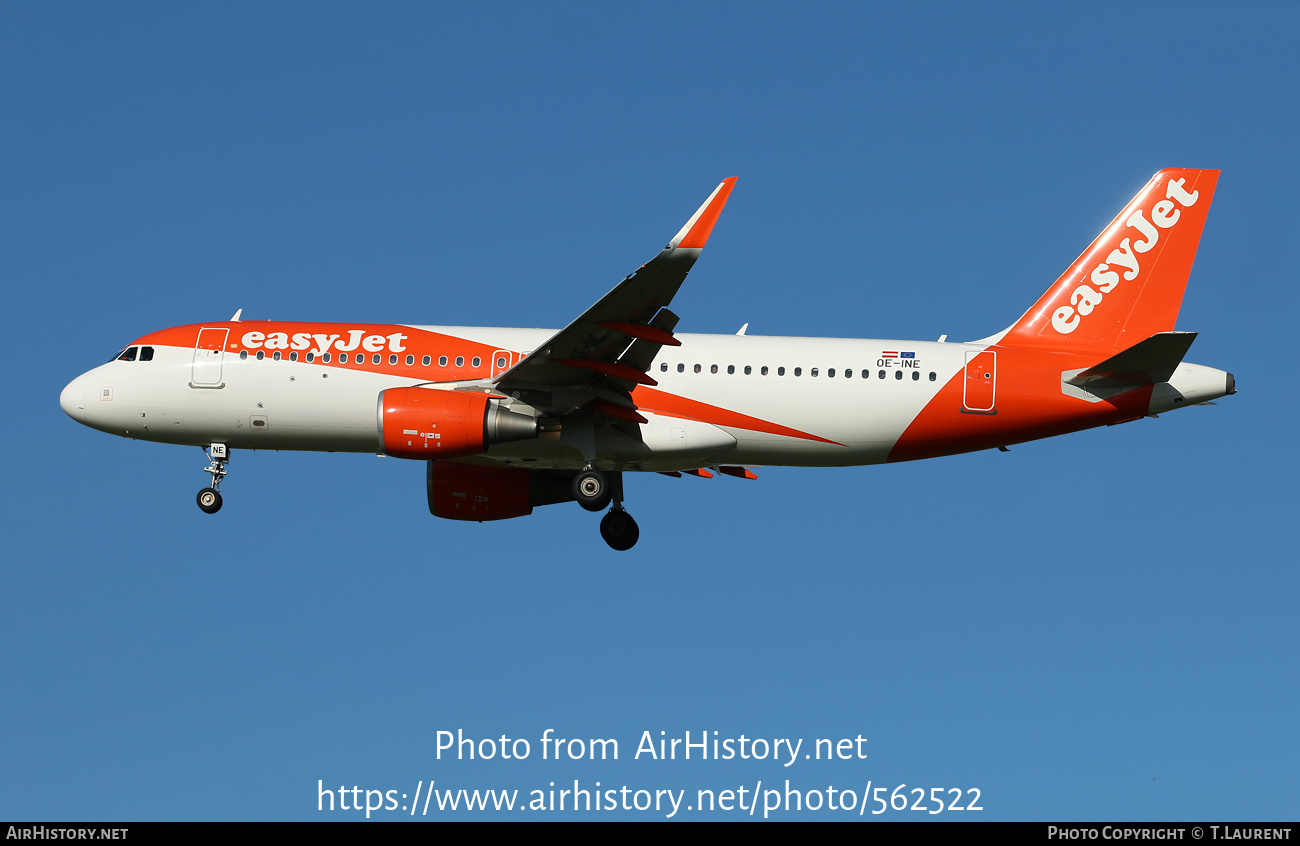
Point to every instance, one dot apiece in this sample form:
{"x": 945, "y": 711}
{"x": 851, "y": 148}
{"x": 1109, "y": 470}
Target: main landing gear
{"x": 594, "y": 491}
{"x": 210, "y": 498}
{"x": 619, "y": 529}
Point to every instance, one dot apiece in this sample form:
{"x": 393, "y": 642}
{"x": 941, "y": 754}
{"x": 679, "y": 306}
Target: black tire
{"x": 209, "y": 500}
{"x": 619, "y": 530}
{"x": 592, "y": 490}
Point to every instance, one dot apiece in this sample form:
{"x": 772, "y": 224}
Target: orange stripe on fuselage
{"x": 671, "y": 405}
{"x": 414, "y": 342}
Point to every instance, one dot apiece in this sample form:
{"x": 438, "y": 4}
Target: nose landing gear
{"x": 209, "y": 499}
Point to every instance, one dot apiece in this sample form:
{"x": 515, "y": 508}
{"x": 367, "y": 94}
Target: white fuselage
{"x": 735, "y": 399}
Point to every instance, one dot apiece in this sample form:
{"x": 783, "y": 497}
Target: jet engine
{"x": 426, "y": 423}
{"x": 465, "y": 492}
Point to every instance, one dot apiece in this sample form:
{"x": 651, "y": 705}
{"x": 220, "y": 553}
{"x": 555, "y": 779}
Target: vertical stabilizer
{"x": 1128, "y": 285}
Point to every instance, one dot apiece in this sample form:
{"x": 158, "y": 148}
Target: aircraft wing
{"x": 599, "y": 358}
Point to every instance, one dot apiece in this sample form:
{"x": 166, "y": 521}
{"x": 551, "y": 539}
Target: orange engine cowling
{"x": 426, "y": 423}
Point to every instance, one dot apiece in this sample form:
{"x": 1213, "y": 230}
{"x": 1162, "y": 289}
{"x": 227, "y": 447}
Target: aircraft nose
{"x": 73, "y": 400}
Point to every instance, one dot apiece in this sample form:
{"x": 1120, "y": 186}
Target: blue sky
{"x": 1099, "y": 626}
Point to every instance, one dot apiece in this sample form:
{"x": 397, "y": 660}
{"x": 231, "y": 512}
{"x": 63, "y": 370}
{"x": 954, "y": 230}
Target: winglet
{"x": 695, "y": 234}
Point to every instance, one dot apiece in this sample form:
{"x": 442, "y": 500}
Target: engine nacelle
{"x": 426, "y": 423}
{"x": 465, "y": 492}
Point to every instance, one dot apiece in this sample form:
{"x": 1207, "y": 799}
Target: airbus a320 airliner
{"x": 510, "y": 419}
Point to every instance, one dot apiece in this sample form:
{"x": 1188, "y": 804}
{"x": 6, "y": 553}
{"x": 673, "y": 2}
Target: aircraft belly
{"x": 755, "y": 448}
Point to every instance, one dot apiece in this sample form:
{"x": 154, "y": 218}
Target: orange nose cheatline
{"x": 73, "y": 400}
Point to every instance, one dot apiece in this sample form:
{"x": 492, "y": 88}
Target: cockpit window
{"x": 128, "y": 354}
{"x": 146, "y": 353}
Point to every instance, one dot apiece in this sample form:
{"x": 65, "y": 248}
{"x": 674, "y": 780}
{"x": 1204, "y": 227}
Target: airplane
{"x": 507, "y": 420}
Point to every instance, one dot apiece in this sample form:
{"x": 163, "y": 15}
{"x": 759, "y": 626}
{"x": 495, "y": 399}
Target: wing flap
{"x": 641, "y": 354}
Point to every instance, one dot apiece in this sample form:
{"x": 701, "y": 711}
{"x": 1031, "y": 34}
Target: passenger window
{"x": 376, "y": 358}
{"x": 311, "y": 357}
{"x": 747, "y": 369}
{"x": 276, "y": 356}
{"x": 325, "y": 358}
{"x": 502, "y": 361}
{"x": 764, "y": 371}
{"x": 392, "y": 358}
{"x": 475, "y": 363}
{"x": 697, "y": 368}
{"x": 146, "y": 353}
{"x": 916, "y": 375}
{"x": 442, "y": 361}
{"x": 898, "y": 374}
{"x": 830, "y": 374}
{"x": 848, "y": 374}
{"x": 426, "y": 361}
{"x": 663, "y": 367}
{"x": 731, "y": 368}
{"x": 460, "y": 361}
{"x": 243, "y": 355}
{"x": 882, "y": 374}
{"x": 293, "y": 356}
{"x": 780, "y": 371}
{"x": 798, "y": 371}
{"x": 866, "y": 374}
{"x": 681, "y": 368}
{"x": 410, "y": 359}
{"x": 343, "y": 358}
{"x": 713, "y": 369}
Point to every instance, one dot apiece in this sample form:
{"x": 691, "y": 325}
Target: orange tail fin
{"x": 1128, "y": 285}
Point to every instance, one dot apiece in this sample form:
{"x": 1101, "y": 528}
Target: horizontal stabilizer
{"x": 1147, "y": 362}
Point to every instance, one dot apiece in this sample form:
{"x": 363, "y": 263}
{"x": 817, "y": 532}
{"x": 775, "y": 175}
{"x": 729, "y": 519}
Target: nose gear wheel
{"x": 209, "y": 499}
